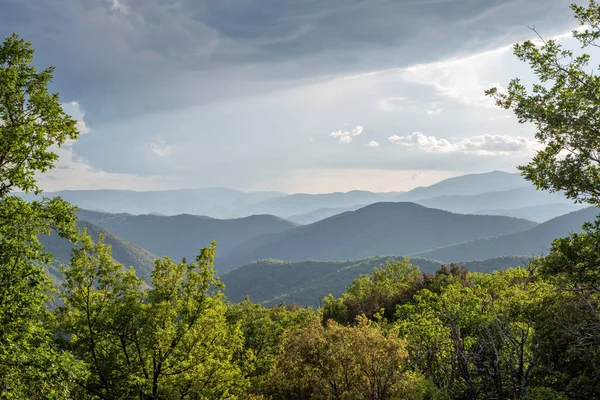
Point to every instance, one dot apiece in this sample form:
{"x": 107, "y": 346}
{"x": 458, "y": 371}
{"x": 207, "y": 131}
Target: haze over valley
{"x": 491, "y": 218}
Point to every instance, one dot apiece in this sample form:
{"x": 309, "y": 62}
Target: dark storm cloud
{"x": 127, "y": 57}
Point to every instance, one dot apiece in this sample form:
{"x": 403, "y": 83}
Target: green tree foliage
{"x": 376, "y": 294}
{"x": 343, "y": 363}
{"x": 168, "y": 342}
{"x": 564, "y": 106}
{"x": 31, "y": 123}
{"x": 262, "y": 329}
{"x": 476, "y": 338}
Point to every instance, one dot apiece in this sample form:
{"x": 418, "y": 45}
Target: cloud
{"x": 435, "y": 111}
{"x": 429, "y": 144}
{"x": 373, "y": 143}
{"x": 498, "y": 145}
{"x": 75, "y": 111}
{"x": 116, "y": 5}
{"x": 492, "y": 145}
{"x": 115, "y": 47}
{"x": 161, "y": 148}
{"x": 135, "y": 67}
{"x": 346, "y": 136}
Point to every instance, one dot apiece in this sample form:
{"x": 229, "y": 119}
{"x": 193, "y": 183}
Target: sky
{"x": 292, "y": 95}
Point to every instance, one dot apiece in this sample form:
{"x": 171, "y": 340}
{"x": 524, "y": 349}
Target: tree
{"x": 476, "y": 337}
{"x": 31, "y": 123}
{"x": 343, "y": 363}
{"x": 565, "y": 108}
{"x": 263, "y": 329}
{"x": 168, "y": 342}
{"x": 376, "y": 294}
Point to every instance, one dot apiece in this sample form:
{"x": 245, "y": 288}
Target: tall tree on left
{"x": 32, "y": 124}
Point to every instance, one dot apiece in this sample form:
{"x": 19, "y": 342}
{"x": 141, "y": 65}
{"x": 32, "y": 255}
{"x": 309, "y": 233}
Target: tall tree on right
{"x": 565, "y": 107}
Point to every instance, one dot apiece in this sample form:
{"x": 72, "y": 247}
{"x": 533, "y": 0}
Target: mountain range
{"x": 331, "y": 238}
{"x": 377, "y": 229}
{"x": 532, "y": 242}
{"x": 182, "y": 236}
{"x": 465, "y": 194}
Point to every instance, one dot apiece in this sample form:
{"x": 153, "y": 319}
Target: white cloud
{"x": 498, "y": 145}
{"x": 346, "y": 136}
{"x": 75, "y": 111}
{"x": 460, "y": 80}
{"x": 373, "y": 143}
{"x": 160, "y": 148}
{"x": 493, "y": 145}
{"x": 420, "y": 141}
{"x": 435, "y": 111}
{"x": 116, "y": 5}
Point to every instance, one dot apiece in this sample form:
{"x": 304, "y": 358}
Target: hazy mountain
{"x": 184, "y": 235}
{"x": 228, "y": 203}
{"x": 320, "y": 214}
{"x": 466, "y": 185}
{"x": 307, "y": 282}
{"x": 378, "y": 229}
{"x": 123, "y": 251}
{"x": 302, "y": 203}
{"x": 216, "y": 202}
{"x": 533, "y": 242}
{"x": 515, "y": 198}
{"x": 541, "y": 213}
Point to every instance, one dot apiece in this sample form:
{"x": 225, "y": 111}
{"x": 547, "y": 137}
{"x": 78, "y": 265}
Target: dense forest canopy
{"x": 524, "y": 333}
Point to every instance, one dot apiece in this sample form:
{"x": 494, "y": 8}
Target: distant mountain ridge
{"x": 216, "y": 202}
{"x": 229, "y": 203}
{"x": 509, "y": 199}
{"x": 184, "y": 235}
{"x": 467, "y": 185}
{"x": 538, "y": 213}
{"x": 533, "y": 242}
{"x": 374, "y": 230}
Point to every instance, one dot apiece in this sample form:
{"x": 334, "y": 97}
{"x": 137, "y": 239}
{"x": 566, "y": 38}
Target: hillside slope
{"x": 537, "y": 213}
{"x": 532, "y": 242}
{"x": 123, "y": 251}
{"x": 320, "y": 214}
{"x": 378, "y": 229}
{"x": 184, "y": 235}
{"x": 307, "y": 282}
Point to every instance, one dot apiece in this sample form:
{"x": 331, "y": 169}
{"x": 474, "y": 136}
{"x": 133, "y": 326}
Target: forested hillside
{"x": 123, "y": 251}
{"x": 183, "y": 235}
{"x": 271, "y": 282}
{"x": 378, "y": 229}
{"x": 533, "y": 242}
